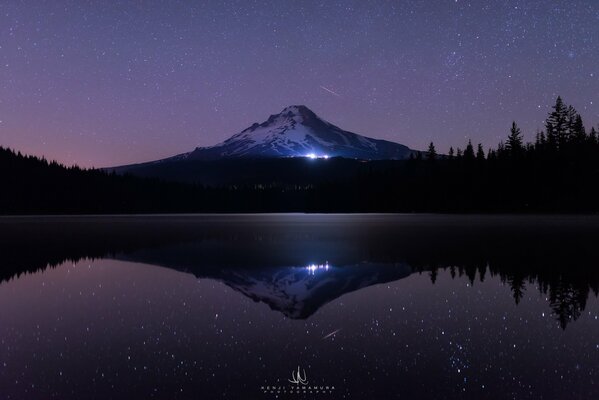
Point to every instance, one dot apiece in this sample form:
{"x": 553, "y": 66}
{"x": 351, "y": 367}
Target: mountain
{"x": 294, "y": 132}
{"x": 278, "y": 150}
{"x": 298, "y": 132}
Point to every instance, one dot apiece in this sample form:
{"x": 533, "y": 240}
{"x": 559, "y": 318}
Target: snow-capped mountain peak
{"x": 298, "y": 132}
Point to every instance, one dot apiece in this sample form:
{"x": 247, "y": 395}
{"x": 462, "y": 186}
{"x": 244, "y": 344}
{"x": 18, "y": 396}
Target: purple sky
{"x": 104, "y": 83}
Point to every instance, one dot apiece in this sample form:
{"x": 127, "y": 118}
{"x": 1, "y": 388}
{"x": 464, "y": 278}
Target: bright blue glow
{"x": 314, "y": 156}
{"x": 312, "y": 268}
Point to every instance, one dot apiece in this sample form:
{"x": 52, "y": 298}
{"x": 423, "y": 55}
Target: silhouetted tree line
{"x": 558, "y": 172}
{"x": 33, "y": 185}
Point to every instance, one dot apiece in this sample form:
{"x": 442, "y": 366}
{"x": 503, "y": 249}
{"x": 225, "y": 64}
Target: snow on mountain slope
{"x": 298, "y": 132}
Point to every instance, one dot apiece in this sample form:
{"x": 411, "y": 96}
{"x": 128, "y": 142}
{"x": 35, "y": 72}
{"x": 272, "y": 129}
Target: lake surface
{"x": 364, "y": 306}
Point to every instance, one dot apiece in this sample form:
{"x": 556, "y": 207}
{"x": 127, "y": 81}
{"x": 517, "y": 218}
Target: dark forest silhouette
{"x": 557, "y": 173}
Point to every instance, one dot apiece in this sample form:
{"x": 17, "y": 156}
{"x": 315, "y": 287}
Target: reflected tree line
{"x": 561, "y": 263}
{"x": 567, "y": 292}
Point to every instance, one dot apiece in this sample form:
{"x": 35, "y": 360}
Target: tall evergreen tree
{"x": 557, "y": 124}
{"x": 579, "y": 134}
{"x": 593, "y": 136}
{"x": 571, "y": 116}
{"x": 540, "y": 139}
{"x": 514, "y": 140}
{"x": 480, "y": 153}
{"x": 469, "y": 152}
{"x": 432, "y": 152}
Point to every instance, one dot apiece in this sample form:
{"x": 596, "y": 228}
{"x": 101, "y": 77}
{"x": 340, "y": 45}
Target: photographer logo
{"x": 298, "y": 385}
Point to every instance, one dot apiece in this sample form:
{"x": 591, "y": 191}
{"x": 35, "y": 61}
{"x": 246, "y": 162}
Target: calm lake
{"x": 299, "y": 306}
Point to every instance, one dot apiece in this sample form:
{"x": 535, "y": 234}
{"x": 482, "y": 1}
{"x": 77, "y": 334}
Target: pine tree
{"x": 579, "y": 134}
{"x": 540, "y": 139}
{"x": 432, "y": 153}
{"x": 557, "y": 125}
{"x": 469, "y": 152}
{"x": 451, "y": 152}
{"x": 514, "y": 140}
{"x": 571, "y": 116}
{"x": 593, "y": 136}
{"x": 480, "y": 153}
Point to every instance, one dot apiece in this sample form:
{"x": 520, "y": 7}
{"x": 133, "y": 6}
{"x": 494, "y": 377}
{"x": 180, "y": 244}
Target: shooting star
{"x": 330, "y": 91}
{"x": 331, "y": 334}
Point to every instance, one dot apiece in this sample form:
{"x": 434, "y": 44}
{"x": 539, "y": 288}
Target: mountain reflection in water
{"x": 269, "y": 257}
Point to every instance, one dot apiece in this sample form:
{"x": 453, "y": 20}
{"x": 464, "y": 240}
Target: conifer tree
{"x": 540, "y": 139}
{"x": 480, "y": 153}
{"x": 578, "y": 131}
{"x": 557, "y": 124}
{"x": 432, "y": 152}
{"x": 469, "y": 152}
{"x": 593, "y": 136}
{"x": 514, "y": 140}
{"x": 571, "y": 116}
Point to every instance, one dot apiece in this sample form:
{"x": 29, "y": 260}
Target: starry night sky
{"x": 106, "y": 83}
